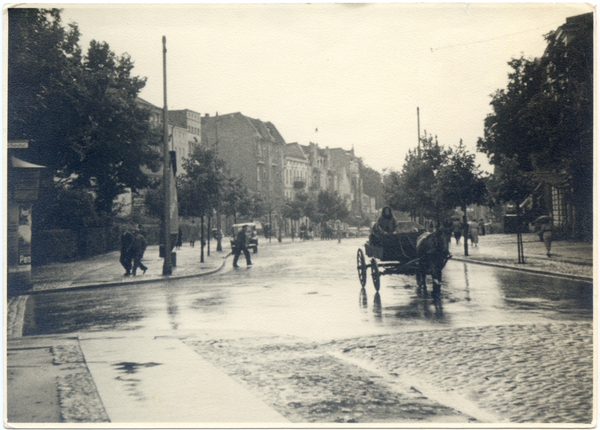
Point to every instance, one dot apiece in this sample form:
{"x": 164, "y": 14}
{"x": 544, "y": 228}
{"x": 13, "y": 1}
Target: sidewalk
{"x": 105, "y": 269}
{"x": 120, "y": 379}
{"x": 567, "y": 258}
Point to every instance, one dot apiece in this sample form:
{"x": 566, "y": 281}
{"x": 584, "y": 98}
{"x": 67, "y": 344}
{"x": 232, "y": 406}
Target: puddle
{"x": 129, "y": 367}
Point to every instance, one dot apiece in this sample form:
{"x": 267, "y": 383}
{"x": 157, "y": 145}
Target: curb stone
{"x": 524, "y": 269}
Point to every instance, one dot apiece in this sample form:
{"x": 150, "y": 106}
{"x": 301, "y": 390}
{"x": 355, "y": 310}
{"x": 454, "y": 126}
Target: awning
{"x": 17, "y": 162}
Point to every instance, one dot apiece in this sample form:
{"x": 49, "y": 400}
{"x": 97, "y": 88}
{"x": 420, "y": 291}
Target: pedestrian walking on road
{"x": 241, "y": 245}
{"x": 126, "y": 257}
{"x": 137, "y": 251}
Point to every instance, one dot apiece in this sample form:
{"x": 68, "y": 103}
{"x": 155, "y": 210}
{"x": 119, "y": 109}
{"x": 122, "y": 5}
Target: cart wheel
{"x": 361, "y": 267}
{"x": 375, "y": 273}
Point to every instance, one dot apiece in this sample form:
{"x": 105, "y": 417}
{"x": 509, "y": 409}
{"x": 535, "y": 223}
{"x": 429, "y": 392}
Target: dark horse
{"x": 432, "y": 251}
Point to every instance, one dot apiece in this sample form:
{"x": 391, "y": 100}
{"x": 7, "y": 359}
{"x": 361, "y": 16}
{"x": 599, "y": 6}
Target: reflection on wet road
{"x": 310, "y": 289}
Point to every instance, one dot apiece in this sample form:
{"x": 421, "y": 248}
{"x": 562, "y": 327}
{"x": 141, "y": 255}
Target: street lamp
{"x": 167, "y": 268}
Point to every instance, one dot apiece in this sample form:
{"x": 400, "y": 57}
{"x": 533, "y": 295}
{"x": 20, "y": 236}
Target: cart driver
{"x": 386, "y": 223}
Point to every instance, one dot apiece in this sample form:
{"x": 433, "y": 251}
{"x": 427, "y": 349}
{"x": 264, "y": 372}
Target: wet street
{"x": 296, "y": 327}
{"x": 311, "y": 289}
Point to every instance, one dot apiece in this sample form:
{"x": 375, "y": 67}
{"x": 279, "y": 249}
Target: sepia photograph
{"x": 286, "y": 215}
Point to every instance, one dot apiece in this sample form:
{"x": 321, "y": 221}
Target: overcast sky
{"x": 355, "y": 72}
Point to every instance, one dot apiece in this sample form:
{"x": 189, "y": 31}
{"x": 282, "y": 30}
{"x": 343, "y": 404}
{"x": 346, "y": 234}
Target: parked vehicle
{"x": 364, "y": 231}
{"x": 352, "y": 232}
{"x": 251, "y": 234}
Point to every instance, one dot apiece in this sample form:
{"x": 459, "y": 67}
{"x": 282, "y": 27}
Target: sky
{"x": 341, "y": 75}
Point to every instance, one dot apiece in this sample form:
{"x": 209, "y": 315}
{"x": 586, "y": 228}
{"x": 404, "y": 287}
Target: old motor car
{"x": 364, "y": 231}
{"x": 251, "y": 234}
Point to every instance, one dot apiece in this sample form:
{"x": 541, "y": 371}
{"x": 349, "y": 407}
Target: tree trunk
{"x": 520, "y": 253}
{"x": 219, "y": 246}
{"x": 465, "y": 230}
{"x": 202, "y": 239}
{"x": 209, "y": 234}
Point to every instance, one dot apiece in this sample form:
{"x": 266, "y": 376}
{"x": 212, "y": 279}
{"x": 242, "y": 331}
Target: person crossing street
{"x": 241, "y": 245}
{"x": 137, "y": 251}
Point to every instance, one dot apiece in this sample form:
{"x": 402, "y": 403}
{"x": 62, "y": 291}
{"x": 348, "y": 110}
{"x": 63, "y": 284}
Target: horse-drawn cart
{"x": 396, "y": 253}
{"x": 408, "y": 253}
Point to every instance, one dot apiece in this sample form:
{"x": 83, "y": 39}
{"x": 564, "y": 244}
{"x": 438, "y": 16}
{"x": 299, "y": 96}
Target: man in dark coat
{"x": 241, "y": 245}
{"x": 126, "y": 257}
{"x": 137, "y": 251}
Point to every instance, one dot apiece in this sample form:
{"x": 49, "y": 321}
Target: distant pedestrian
{"x": 179, "y": 238}
{"x": 137, "y": 251}
{"x": 193, "y": 234}
{"x": 126, "y": 257}
{"x": 474, "y": 233}
{"x": 546, "y": 234}
{"x": 482, "y": 227}
{"x": 457, "y": 229}
{"x": 241, "y": 245}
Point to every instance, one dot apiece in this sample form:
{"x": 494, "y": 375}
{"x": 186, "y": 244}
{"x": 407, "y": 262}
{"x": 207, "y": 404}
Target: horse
{"x": 432, "y": 252}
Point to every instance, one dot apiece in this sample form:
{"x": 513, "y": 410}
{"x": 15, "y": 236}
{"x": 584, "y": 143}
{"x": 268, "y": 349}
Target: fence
{"x": 49, "y": 246}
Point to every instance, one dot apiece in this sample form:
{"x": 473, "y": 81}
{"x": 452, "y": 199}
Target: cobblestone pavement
{"x": 515, "y": 373}
{"x": 523, "y": 373}
{"x": 77, "y": 395}
{"x": 306, "y": 384}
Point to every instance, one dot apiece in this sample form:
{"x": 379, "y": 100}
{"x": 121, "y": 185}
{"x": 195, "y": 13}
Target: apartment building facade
{"x": 252, "y": 149}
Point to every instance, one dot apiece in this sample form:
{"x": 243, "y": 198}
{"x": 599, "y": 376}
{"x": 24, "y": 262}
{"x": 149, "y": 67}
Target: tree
{"x": 201, "y": 186}
{"x": 235, "y": 198}
{"x": 460, "y": 183}
{"x": 545, "y": 115}
{"x": 293, "y": 211}
{"x": 414, "y": 189}
{"x": 511, "y": 184}
{"x": 332, "y": 206}
{"x": 371, "y": 180}
{"x": 61, "y": 207}
{"x": 79, "y": 113}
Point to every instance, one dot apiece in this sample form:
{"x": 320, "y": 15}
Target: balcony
{"x": 298, "y": 185}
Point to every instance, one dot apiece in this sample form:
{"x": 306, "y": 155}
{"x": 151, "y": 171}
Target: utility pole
{"x": 167, "y": 268}
{"x": 420, "y": 212}
{"x": 419, "y": 134}
{"x": 219, "y": 247}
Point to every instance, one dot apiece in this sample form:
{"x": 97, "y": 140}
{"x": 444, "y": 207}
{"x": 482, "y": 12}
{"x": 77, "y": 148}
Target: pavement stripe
{"x": 161, "y": 380}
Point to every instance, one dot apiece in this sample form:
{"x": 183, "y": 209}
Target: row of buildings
{"x": 255, "y": 151}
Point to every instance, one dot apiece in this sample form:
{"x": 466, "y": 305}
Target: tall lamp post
{"x": 167, "y": 268}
